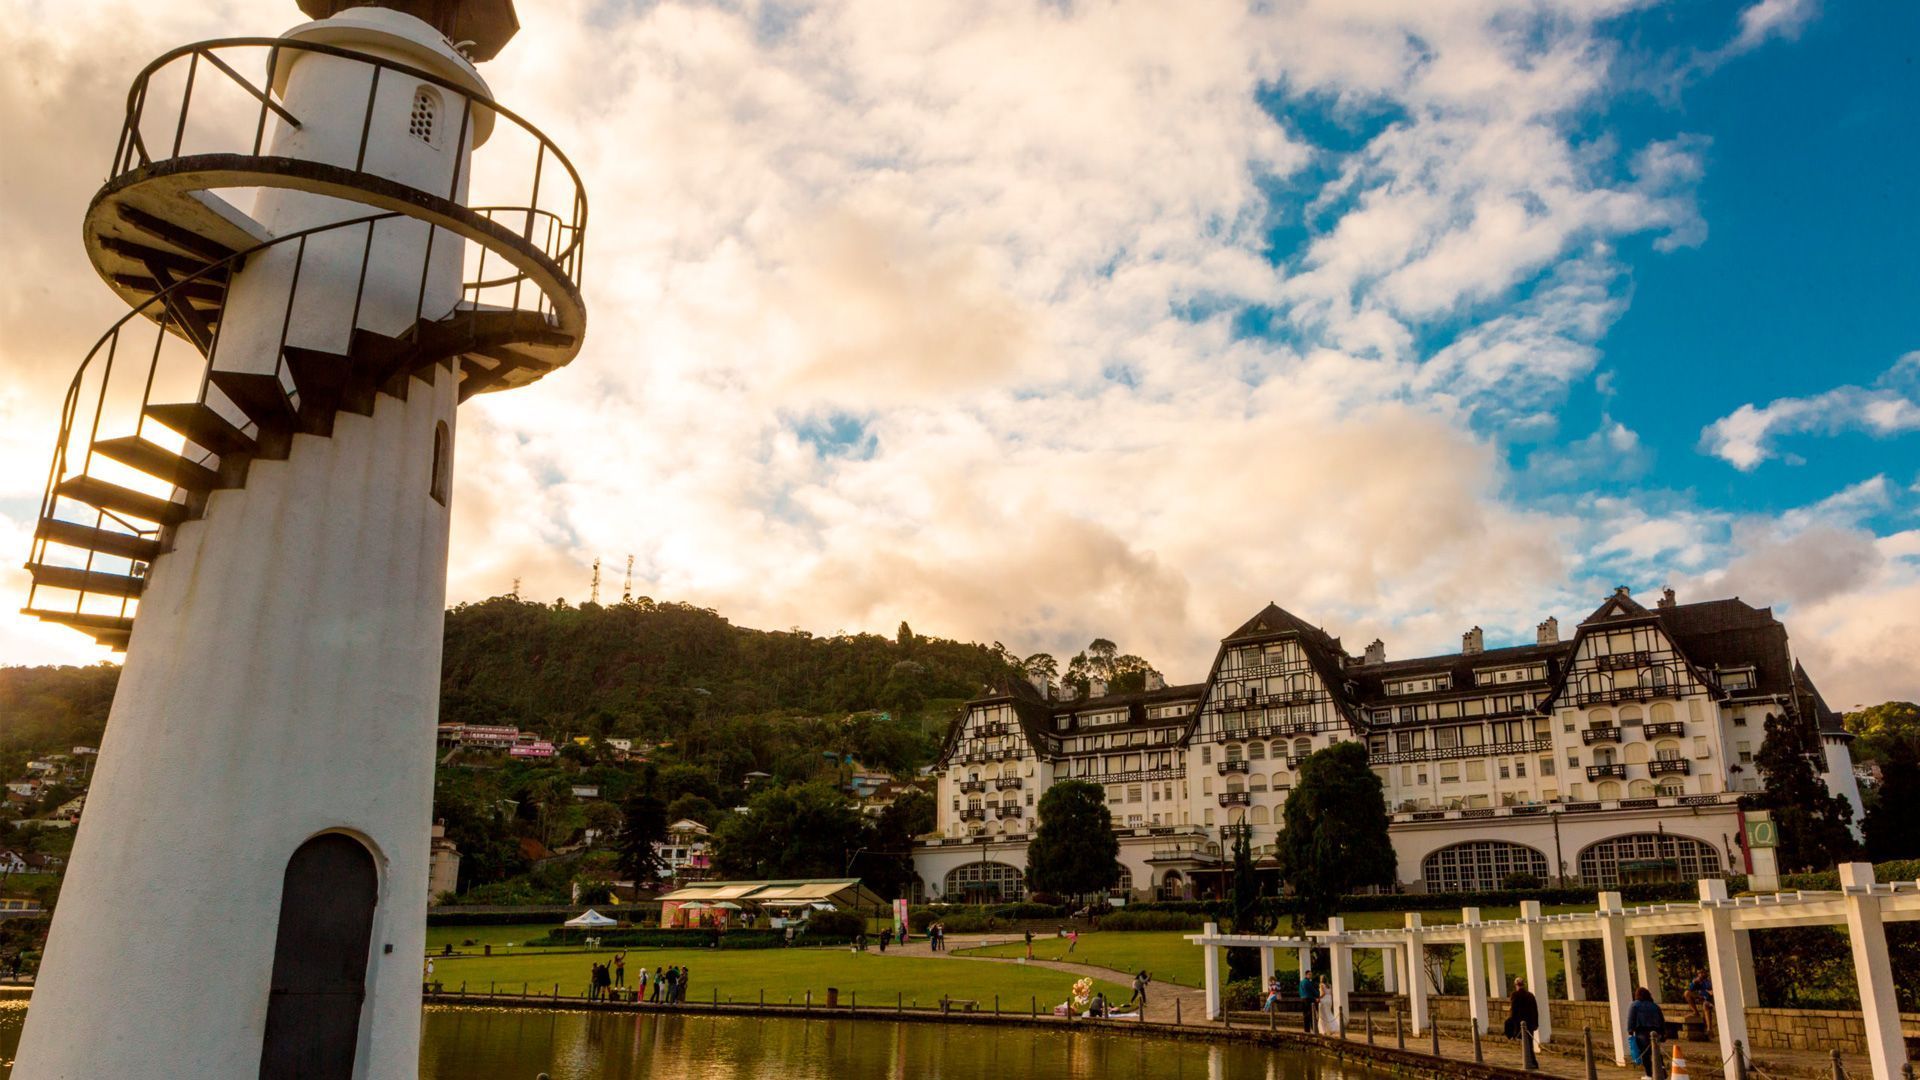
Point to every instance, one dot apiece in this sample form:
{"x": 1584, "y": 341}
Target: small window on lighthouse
{"x": 426, "y": 111}
{"x": 442, "y": 479}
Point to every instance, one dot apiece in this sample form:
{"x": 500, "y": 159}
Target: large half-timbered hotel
{"x": 1618, "y": 754}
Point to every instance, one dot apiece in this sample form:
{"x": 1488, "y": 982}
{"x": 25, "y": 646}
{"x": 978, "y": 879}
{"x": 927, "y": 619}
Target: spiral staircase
{"x": 153, "y": 427}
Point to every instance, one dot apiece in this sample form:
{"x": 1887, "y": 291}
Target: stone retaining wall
{"x": 1767, "y": 1029}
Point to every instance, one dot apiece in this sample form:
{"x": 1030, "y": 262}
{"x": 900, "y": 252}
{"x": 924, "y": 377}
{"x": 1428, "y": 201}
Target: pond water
{"x": 503, "y": 1044}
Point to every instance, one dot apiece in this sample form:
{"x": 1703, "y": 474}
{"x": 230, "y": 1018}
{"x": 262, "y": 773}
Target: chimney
{"x": 1547, "y": 633}
{"x": 1096, "y": 687}
{"x": 1041, "y": 683}
{"x": 1666, "y": 598}
{"x": 1155, "y": 681}
{"x": 1377, "y": 652}
{"x": 1473, "y": 641}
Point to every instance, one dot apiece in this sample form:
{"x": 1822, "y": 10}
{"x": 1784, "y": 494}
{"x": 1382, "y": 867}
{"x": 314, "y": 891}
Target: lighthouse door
{"x": 320, "y": 961}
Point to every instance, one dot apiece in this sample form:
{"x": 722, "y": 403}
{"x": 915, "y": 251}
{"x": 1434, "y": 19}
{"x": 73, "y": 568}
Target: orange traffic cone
{"x": 1679, "y": 1070}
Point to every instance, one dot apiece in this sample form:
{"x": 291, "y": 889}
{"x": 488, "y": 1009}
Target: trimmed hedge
{"x": 1829, "y": 880}
{"x": 1130, "y": 919}
{"x": 688, "y": 938}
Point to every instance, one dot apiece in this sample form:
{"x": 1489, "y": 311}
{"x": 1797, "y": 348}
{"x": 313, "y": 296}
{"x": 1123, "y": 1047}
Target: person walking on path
{"x": 1523, "y": 1012}
{"x": 886, "y": 935}
{"x": 1140, "y": 982}
{"x": 1073, "y": 938}
{"x": 620, "y": 969}
{"x": 1310, "y": 1000}
{"x": 1644, "y": 1021}
{"x": 1029, "y": 944}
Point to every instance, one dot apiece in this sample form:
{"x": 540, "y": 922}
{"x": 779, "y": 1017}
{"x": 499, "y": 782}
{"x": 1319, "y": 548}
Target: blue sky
{"x": 1036, "y": 321}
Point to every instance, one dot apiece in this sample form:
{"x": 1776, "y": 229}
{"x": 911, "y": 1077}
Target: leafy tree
{"x": 888, "y": 868}
{"x": 1073, "y": 851}
{"x": 1041, "y": 664}
{"x": 1814, "y": 825}
{"x": 693, "y": 808}
{"x": 1892, "y": 824}
{"x": 1878, "y": 729}
{"x": 802, "y": 831}
{"x": 1335, "y": 840}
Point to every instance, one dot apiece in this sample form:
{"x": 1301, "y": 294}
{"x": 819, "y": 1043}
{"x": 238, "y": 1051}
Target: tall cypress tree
{"x": 1073, "y": 851}
{"x": 1814, "y": 825}
{"x": 1336, "y": 835}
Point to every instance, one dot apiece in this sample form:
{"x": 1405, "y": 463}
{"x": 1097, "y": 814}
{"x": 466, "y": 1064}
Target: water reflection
{"x": 491, "y": 1044}
{"x": 500, "y": 1044}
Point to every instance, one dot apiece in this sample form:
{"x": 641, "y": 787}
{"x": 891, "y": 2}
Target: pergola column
{"x": 1646, "y": 968}
{"x": 1533, "y": 951}
{"x": 1476, "y": 951}
{"x": 1416, "y": 974}
{"x": 1266, "y": 969}
{"x": 1305, "y": 960}
{"x": 1613, "y": 939}
{"x": 1497, "y": 985}
{"x": 1390, "y": 970}
{"x": 1743, "y": 954}
{"x": 1873, "y": 970}
{"x": 1342, "y": 961}
{"x": 1570, "y": 955}
{"x": 1730, "y": 1000}
{"x": 1210, "y": 979}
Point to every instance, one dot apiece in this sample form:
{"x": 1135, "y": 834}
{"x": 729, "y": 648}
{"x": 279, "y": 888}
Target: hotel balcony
{"x": 1006, "y": 783}
{"x": 1235, "y": 798}
{"x": 968, "y": 787}
{"x": 1010, "y": 811}
{"x": 1226, "y": 767}
{"x": 1661, "y": 730}
{"x": 973, "y": 813}
{"x": 1669, "y": 767}
{"x": 1602, "y": 772}
{"x": 1600, "y": 734}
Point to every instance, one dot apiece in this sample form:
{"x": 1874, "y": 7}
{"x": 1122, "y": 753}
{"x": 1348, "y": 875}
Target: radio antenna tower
{"x": 594, "y": 598}
{"x": 626, "y": 591}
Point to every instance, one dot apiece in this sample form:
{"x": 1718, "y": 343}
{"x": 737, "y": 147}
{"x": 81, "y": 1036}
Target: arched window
{"x": 1663, "y": 712}
{"x": 425, "y": 115}
{"x": 440, "y": 480}
{"x": 1636, "y": 753}
{"x": 1302, "y": 747}
{"x": 1648, "y": 857}
{"x": 1236, "y": 815}
{"x": 1671, "y": 786}
{"x": 986, "y": 882}
{"x": 1480, "y": 865}
{"x": 1599, "y": 717}
{"x": 1123, "y": 888}
{"x": 1629, "y": 714}
{"x": 1640, "y": 789}
{"x": 1257, "y": 782}
{"x": 1233, "y": 751}
{"x": 1609, "y": 791}
{"x": 1257, "y": 815}
{"x": 1233, "y": 783}
{"x": 1667, "y": 750}
{"x": 1603, "y": 756}
{"x": 1256, "y": 751}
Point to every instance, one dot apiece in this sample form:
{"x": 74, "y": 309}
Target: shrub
{"x": 834, "y": 924}
{"x": 1130, "y": 919}
{"x": 1522, "y": 880}
{"x": 1242, "y": 995}
{"x": 1028, "y": 910}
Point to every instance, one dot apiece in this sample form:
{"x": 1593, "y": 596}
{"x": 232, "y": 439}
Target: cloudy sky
{"x": 1034, "y": 321}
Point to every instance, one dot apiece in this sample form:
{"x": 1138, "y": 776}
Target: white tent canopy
{"x": 591, "y": 920}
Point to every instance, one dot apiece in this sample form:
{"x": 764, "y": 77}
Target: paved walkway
{"x": 1161, "y": 997}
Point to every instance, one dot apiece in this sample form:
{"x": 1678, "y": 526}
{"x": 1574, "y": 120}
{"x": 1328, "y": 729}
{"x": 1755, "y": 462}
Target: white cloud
{"x": 1000, "y": 247}
{"x": 1769, "y": 19}
{"x": 1747, "y": 436}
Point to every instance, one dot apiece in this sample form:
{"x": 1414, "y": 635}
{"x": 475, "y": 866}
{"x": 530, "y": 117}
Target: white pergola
{"x": 1862, "y": 906}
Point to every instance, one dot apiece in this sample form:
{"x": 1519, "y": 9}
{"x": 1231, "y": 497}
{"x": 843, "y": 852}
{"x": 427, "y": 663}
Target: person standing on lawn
{"x": 1029, "y": 944}
{"x": 620, "y": 969}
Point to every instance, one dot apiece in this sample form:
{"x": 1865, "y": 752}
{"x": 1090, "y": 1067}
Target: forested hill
{"x": 649, "y": 669}
{"x": 643, "y": 669}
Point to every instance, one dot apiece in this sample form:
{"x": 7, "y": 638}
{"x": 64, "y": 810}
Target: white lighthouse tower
{"x": 250, "y": 497}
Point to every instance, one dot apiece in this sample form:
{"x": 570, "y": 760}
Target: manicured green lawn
{"x": 741, "y": 974}
{"x": 1168, "y": 955}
